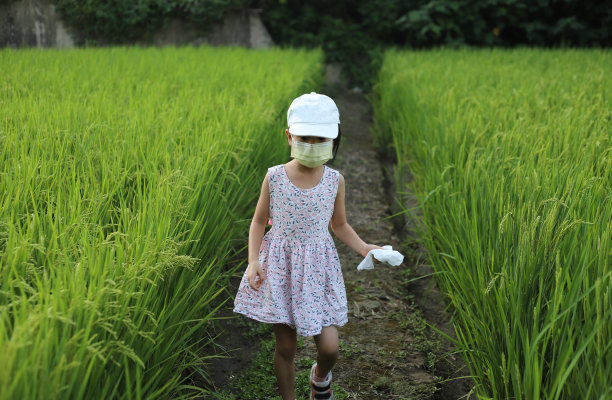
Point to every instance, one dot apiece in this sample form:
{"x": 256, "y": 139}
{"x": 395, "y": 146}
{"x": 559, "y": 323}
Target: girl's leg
{"x": 284, "y": 355}
{"x": 327, "y": 350}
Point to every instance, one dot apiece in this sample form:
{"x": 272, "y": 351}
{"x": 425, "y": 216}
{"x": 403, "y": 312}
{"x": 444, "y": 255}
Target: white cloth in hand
{"x": 388, "y": 255}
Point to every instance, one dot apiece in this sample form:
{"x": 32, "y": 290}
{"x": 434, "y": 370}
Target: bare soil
{"x": 387, "y": 351}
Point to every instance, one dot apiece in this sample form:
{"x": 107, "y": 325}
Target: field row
{"x": 126, "y": 180}
{"x": 511, "y": 154}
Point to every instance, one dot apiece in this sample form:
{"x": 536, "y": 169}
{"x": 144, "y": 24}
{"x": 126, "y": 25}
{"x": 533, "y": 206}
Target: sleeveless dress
{"x": 303, "y": 285}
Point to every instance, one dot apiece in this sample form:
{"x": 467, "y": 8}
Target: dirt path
{"x": 387, "y": 351}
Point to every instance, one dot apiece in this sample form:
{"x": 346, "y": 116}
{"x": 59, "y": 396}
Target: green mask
{"x": 311, "y": 155}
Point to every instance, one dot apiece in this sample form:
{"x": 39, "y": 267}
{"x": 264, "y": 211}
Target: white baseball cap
{"x": 313, "y": 114}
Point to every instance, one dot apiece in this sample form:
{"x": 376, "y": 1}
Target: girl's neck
{"x": 302, "y": 170}
{"x": 303, "y": 178}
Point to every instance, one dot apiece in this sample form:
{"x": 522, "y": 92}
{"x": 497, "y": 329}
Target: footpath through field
{"x": 386, "y": 349}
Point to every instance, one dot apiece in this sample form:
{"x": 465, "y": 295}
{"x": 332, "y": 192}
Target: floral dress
{"x": 303, "y": 285}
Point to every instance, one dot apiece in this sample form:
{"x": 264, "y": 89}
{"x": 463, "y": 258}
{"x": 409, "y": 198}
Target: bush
{"x": 507, "y": 23}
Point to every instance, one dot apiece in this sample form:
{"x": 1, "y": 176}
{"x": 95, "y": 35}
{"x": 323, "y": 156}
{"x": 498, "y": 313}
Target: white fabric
{"x": 313, "y": 114}
{"x": 388, "y": 255}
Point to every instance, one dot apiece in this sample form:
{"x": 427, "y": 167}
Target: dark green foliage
{"x": 123, "y": 21}
{"x": 507, "y": 23}
{"x": 111, "y": 21}
{"x": 424, "y": 23}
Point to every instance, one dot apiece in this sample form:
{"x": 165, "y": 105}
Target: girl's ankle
{"x": 316, "y": 376}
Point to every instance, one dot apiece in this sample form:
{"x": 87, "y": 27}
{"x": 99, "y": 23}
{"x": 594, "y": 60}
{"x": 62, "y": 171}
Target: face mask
{"x": 311, "y": 155}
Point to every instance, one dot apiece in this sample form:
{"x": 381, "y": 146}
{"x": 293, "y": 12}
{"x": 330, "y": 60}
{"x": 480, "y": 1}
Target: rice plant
{"x": 511, "y": 154}
{"x": 126, "y": 177}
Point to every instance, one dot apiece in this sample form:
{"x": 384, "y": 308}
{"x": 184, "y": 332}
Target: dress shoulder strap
{"x": 274, "y": 178}
{"x": 273, "y": 175}
{"x": 333, "y": 179}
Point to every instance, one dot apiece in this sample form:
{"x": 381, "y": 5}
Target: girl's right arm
{"x": 256, "y": 233}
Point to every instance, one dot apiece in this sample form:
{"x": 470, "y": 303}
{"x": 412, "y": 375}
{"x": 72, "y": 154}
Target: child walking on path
{"x": 293, "y": 279}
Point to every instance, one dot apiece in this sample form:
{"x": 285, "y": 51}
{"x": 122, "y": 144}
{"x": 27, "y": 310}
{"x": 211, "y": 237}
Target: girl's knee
{"x": 286, "y": 349}
{"x": 327, "y": 342}
{"x": 329, "y": 350}
{"x": 286, "y": 342}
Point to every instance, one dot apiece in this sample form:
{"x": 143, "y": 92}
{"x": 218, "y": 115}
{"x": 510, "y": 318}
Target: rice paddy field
{"x": 511, "y": 155}
{"x": 127, "y": 177}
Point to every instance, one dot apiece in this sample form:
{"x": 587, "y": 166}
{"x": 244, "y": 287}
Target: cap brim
{"x": 329, "y": 131}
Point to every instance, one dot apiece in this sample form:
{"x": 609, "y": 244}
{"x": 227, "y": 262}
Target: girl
{"x": 293, "y": 279}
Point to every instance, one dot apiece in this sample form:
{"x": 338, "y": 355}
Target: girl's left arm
{"x": 343, "y": 230}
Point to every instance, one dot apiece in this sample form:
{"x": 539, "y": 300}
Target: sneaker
{"x": 320, "y": 390}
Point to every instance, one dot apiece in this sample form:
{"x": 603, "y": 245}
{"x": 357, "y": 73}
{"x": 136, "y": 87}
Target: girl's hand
{"x": 367, "y": 249}
{"x": 254, "y": 272}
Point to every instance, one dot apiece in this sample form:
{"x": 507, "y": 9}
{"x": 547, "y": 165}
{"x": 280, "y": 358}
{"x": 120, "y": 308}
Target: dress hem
{"x": 285, "y": 322}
